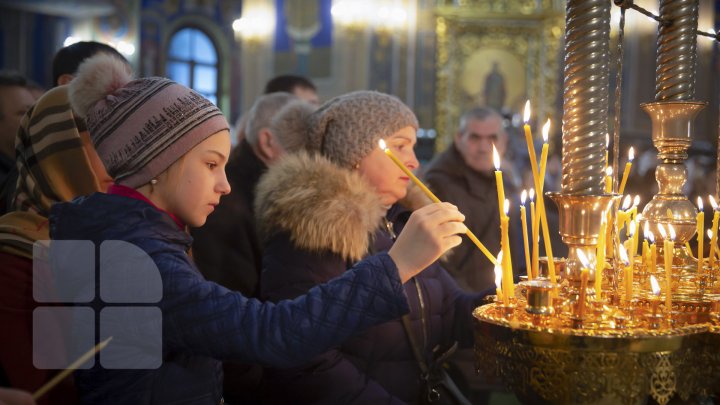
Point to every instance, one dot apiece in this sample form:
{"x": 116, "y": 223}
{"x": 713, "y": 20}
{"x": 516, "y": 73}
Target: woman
{"x": 166, "y": 147}
{"x": 56, "y": 162}
{"x": 319, "y": 214}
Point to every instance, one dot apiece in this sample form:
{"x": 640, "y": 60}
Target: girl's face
{"x": 389, "y": 181}
{"x": 191, "y": 187}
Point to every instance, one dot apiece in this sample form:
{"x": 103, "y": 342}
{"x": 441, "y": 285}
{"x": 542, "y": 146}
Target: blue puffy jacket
{"x": 203, "y": 322}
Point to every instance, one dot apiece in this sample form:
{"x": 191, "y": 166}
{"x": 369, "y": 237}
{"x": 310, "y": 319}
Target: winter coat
{"x": 317, "y": 219}
{"x": 475, "y": 194}
{"x": 202, "y": 321}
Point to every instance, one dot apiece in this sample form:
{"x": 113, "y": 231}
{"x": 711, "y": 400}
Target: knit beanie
{"x": 139, "y": 127}
{"x": 347, "y": 128}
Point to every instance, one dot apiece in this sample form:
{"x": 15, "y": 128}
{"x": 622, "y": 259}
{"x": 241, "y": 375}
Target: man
{"x": 300, "y": 86}
{"x": 15, "y": 99}
{"x": 463, "y": 175}
{"x": 227, "y": 249}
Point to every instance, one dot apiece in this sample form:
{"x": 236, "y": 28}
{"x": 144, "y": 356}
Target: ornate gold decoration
{"x": 521, "y": 35}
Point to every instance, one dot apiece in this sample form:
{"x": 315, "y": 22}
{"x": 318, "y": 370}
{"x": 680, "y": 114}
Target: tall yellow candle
{"x": 700, "y": 220}
{"x": 523, "y": 222}
{"x": 653, "y": 252}
{"x": 543, "y": 161}
{"x": 600, "y": 259}
{"x": 535, "y": 238}
{"x": 433, "y": 197}
{"x": 539, "y": 185}
{"x": 714, "y": 230}
{"x": 645, "y": 255}
{"x": 668, "y": 246}
{"x": 499, "y": 181}
{"x": 531, "y": 146}
{"x": 508, "y": 285}
{"x": 608, "y": 180}
{"x": 626, "y": 279}
{"x": 626, "y": 172}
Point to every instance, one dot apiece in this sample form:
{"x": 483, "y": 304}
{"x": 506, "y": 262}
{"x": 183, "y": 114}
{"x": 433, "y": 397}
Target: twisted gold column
{"x": 676, "y": 51}
{"x": 585, "y": 101}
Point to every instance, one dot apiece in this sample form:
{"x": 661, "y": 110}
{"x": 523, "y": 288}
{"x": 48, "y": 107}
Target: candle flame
{"x": 532, "y": 194}
{"x": 650, "y": 236}
{"x": 632, "y": 228}
{"x": 700, "y": 203}
{"x": 671, "y": 232}
{"x": 526, "y": 114}
{"x": 546, "y": 130}
{"x": 583, "y": 258}
{"x": 498, "y": 274}
{"x": 624, "y": 255}
{"x": 523, "y": 197}
{"x": 382, "y": 144}
{"x": 631, "y": 154}
{"x": 636, "y": 200}
{"x": 655, "y": 286}
{"x": 608, "y": 171}
{"x": 496, "y": 158}
{"x": 607, "y": 140}
{"x": 646, "y": 228}
{"x": 661, "y": 228}
{"x": 709, "y": 233}
{"x": 626, "y": 202}
{"x": 712, "y": 202}
{"x": 506, "y": 206}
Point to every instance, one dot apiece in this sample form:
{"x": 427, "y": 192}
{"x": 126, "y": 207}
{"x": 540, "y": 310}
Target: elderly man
{"x": 463, "y": 175}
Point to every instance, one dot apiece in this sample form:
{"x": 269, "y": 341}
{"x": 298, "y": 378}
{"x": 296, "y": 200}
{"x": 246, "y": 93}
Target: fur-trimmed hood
{"x": 321, "y": 206}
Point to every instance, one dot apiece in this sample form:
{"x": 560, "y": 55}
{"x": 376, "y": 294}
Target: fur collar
{"x": 320, "y": 205}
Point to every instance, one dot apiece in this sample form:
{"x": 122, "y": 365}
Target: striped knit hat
{"x": 139, "y": 127}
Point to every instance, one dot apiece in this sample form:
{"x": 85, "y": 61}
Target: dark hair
{"x": 10, "y": 78}
{"x": 287, "y": 83}
{"x": 68, "y": 59}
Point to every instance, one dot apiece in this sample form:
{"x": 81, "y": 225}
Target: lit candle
{"x": 508, "y": 285}
{"x": 531, "y": 147}
{"x": 499, "y": 181}
{"x": 712, "y": 250}
{"x": 653, "y": 252}
{"x": 600, "y": 259}
{"x": 584, "y": 270}
{"x": 607, "y": 153}
{"x": 628, "y": 277}
{"x": 432, "y": 197}
{"x": 668, "y": 245}
{"x": 535, "y": 236}
{"x": 622, "y": 214}
{"x": 626, "y": 172}
{"x": 498, "y": 282}
{"x": 608, "y": 180}
{"x": 656, "y": 294}
{"x": 713, "y": 230}
{"x": 523, "y": 221}
{"x": 700, "y": 219}
{"x": 544, "y": 155}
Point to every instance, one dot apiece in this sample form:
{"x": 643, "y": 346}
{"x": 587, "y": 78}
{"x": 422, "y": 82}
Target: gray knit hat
{"x": 347, "y": 128}
{"x": 139, "y": 127}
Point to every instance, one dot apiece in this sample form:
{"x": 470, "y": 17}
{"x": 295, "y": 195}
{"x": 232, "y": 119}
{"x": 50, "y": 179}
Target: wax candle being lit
{"x": 656, "y": 294}
{"x": 432, "y": 196}
{"x": 499, "y": 181}
{"x": 700, "y": 220}
{"x": 713, "y": 230}
{"x": 523, "y": 222}
{"x": 626, "y": 172}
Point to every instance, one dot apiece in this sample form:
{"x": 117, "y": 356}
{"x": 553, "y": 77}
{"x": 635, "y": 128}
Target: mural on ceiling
{"x": 303, "y": 37}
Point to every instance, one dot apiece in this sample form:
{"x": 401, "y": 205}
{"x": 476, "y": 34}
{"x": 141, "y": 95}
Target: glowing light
{"x": 526, "y": 113}
{"x": 546, "y": 130}
{"x": 655, "y": 286}
{"x": 496, "y": 158}
{"x": 523, "y": 197}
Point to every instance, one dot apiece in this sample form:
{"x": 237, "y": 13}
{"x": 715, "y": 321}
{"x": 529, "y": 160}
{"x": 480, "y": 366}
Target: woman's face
{"x": 191, "y": 187}
{"x": 389, "y": 181}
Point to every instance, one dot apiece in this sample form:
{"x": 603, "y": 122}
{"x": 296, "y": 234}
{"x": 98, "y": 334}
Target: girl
{"x": 166, "y": 147}
{"x": 320, "y": 214}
